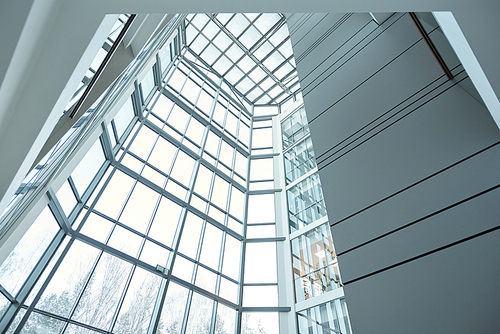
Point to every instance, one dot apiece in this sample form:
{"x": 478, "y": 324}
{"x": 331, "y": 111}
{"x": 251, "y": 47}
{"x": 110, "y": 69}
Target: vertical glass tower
{"x": 188, "y": 201}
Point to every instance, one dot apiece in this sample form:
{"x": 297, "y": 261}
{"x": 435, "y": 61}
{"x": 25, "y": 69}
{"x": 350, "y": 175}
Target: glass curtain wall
{"x": 314, "y": 261}
{"x": 169, "y": 222}
{"x": 150, "y": 234}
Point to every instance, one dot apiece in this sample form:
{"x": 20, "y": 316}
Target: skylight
{"x": 252, "y": 52}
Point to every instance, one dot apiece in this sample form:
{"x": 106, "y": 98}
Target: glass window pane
{"x": 205, "y": 279}
{"x": 21, "y": 261}
{"x": 315, "y": 263}
{"x": 237, "y": 203}
{"x": 147, "y": 84}
{"x": 200, "y": 314}
{"x": 16, "y": 321}
{"x": 222, "y": 65}
{"x": 137, "y": 307}
{"x": 262, "y": 138}
{"x": 235, "y": 225}
{"x": 162, "y": 107}
{"x": 41, "y": 280}
{"x": 305, "y": 202}
{"x": 331, "y": 317}
{"x": 199, "y": 44}
{"x": 195, "y": 131}
{"x": 299, "y": 160}
{"x": 154, "y": 176}
{"x": 162, "y": 155}
{"x": 266, "y": 22}
{"x": 183, "y": 269}
{"x": 176, "y": 190}
{"x": 132, "y": 163}
{"x": 97, "y": 227}
{"x": 125, "y": 241}
{"x": 190, "y": 91}
{"x": 237, "y": 24}
{"x": 205, "y": 102}
{"x": 261, "y": 231}
{"x": 203, "y": 181}
{"x": 198, "y": 203}
{"x": 226, "y": 154}
{"x": 102, "y": 294}
{"x": 250, "y": 36}
{"x": 210, "y": 250}
{"x": 154, "y": 254}
{"x": 225, "y": 320}
{"x": 219, "y": 192}
{"x": 294, "y": 127}
{"x": 212, "y": 144}
{"x": 68, "y": 281}
{"x": 4, "y": 303}
{"x": 191, "y": 235}
{"x": 261, "y": 209}
{"x": 88, "y": 167}
{"x": 232, "y": 253}
{"x": 241, "y": 164}
{"x": 260, "y": 262}
{"x": 38, "y": 323}
{"x": 173, "y": 309}
{"x": 260, "y": 296}
{"x": 143, "y": 142}
{"x": 210, "y": 54}
{"x": 123, "y": 117}
{"x": 222, "y": 41}
{"x": 115, "y": 194}
{"x": 261, "y": 169}
{"x": 66, "y": 198}
{"x": 177, "y": 80}
{"x": 183, "y": 168}
{"x": 261, "y": 185}
{"x": 165, "y": 221}
{"x": 74, "y": 329}
{"x": 139, "y": 207}
{"x": 228, "y": 290}
{"x": 267, "y": 322}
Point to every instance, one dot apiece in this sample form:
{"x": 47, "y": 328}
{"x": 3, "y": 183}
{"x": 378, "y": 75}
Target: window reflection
{"x": 315, "y": 265}
{"x": 331, "y": 317}
{"x": 305, "y": 202}
{"x": 299, "y": 160}
{"x": 21, "y": 261}
{"x": 294, "y": 127}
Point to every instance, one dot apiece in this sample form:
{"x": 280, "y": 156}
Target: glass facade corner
{"x": 193, "y": 206}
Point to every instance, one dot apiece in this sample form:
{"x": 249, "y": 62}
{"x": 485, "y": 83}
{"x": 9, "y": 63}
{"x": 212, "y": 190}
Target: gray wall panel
{"x": 469, "y": 218}
{"x": 440, "y": 191}
{"x": 334, "y": 49}
{"x": 307, "y": 26}
{"x": 370, "y": 100}
{"x": 438, "y": 134}
{"x": 452, "y": 291}
{"x": 344, "y": 76}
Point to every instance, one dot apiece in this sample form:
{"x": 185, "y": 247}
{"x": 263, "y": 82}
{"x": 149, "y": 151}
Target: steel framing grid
{"x": 143, "y": 104}
{"x": 337, "y": 293}
{"x": 67, "y": 235}
{"x": 281, "y": 83}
